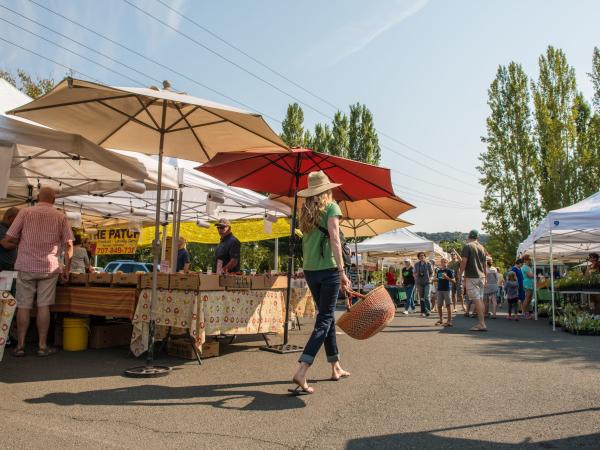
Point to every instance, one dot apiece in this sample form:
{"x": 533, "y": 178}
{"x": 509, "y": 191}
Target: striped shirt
{"x": 42, "y": 231}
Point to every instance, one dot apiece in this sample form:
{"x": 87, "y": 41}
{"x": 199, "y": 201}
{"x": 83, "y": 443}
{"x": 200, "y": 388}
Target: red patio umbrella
{"x": 287, "y": 173}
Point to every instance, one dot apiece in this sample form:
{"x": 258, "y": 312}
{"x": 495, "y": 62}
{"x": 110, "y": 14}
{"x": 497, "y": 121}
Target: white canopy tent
{"x": 400, "y": 243}
{"x": 568, "y": 234}
{"x": 32, "y": 155}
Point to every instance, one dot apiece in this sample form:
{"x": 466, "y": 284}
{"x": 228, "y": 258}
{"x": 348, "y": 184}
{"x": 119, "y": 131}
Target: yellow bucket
{"x": 75, "y": 334}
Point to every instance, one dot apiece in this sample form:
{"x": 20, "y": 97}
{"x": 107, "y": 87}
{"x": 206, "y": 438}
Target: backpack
{"x": 346, "y": 253}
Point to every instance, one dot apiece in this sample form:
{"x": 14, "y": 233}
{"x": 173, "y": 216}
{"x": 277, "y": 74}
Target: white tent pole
{"x": 552, "y": 283}
{"x": 174, "y": 238}
{"x": 535, "y": 284}
{"x": 177, "y": 231}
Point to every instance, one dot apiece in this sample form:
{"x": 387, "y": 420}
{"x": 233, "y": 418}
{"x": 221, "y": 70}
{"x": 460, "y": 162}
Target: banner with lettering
{"x": 117, "y": 241}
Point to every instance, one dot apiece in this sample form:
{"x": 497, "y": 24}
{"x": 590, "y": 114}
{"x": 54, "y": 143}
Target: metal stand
{"x": 150, "y": 370}
{"x": 285, "y": 347}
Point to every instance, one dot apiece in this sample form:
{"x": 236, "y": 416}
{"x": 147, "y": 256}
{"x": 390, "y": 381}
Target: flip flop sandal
{"x": 18, "y": 352}
{"x": 341, "y": 376}
{"x": 449, "y": 324}
{"x": 42, "y": 353}
{"x": 439, "y": 322}
{"x": 299, "y": 390}
{"x": 478, "y": 329}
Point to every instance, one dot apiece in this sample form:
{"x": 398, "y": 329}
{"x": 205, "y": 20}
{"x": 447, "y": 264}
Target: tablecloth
{"x": 208, "y": 313}
{"x": 96, "y": 301}
{"x": 8, "y": 305}
{"x": 301, "y": 303}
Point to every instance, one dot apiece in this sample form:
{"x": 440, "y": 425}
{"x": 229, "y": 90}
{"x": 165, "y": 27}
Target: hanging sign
{"x": 116, "y": 241}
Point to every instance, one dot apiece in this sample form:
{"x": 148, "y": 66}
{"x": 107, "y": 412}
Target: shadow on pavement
{"x": 427, "y": 439}
{"x": 242, "y": 397}
{"x": 531, "y": 341}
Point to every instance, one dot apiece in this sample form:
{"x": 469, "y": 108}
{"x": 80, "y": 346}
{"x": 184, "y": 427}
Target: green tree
{"x": 340, "y": 142}
{"x": 322, "y": 139}
{"x": 508, "y": 164}
{"x": 595, "y": 76}
{"x": 293, "y": 126}
{"x": 554, "y": 97}
{"x": 363, "y": 141}
{"x": 34, "y": 88}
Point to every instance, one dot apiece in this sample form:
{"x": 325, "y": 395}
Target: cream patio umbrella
{"x": 153, "y": 121}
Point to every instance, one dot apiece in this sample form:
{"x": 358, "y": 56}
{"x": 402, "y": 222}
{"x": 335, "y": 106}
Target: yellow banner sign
{"x": 116, "y": 241}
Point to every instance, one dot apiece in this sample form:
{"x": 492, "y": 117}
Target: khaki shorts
{"x": 474, "y": 288}
{"x": 31, "y": 283}
{"x": 444, "y": 297}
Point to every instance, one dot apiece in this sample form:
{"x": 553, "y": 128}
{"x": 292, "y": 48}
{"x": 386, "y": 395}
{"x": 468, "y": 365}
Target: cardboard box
{"x": 182, "y": 348}
{"x": 126, "y": 279}
{"x": 235, "y": 282}
{"x": 210, "y": 282}
{"x": 184, "y": 281}
{"x": 110, "y": 334}
{"x": 275, "y": 282}
{"x": 162, "y": 281}
{"x": 78, "y": 278}
{"x": 258, "y": 281}
{"x": 100, "y": 278}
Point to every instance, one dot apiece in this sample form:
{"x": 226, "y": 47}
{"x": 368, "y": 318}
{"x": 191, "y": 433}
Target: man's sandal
{"x": 18, "y": 352}
{"x": 43, "y": 352}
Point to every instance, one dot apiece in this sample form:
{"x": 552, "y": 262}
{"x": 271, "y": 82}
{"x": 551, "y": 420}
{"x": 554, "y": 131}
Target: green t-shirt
{"x": 315, "y": 240}
{"x": 475, "y": 255}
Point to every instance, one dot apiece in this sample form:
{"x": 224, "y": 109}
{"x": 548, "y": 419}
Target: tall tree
{"x": 293, "y": 126}
{"x": 322, "y": 139}
{"x": 363, "y": 141}
{"x": 595, "y": 76}
{"x": 554, "y": 97}
{"x": 340, "y": 142}
{"x": 34, "y": 88}
{"x": 508, "y": 164}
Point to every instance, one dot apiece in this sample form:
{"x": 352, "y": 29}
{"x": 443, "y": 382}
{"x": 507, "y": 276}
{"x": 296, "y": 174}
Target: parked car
{"x": 126, "y": 266}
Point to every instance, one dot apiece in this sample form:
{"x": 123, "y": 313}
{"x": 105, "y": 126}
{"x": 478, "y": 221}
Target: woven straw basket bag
{"x": 369, "y": 315}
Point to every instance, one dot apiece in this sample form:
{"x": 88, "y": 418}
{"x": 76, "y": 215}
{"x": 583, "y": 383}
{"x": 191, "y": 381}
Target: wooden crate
{"x": 182, "y": 348}
{"x": 184, "y": 281}
{"x": 210, "y": 282}
{"x": 235, "y": 282}
{"x": 100, "y": 278}
{"x": 78, "y": 278}
{"x": 126, "y": 279}
{"x": 162, "y": 281}
{"x": 115, "y": 334}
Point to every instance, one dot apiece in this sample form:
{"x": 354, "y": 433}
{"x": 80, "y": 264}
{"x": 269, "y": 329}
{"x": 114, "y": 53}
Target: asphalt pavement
{"x": 414, "y": 385}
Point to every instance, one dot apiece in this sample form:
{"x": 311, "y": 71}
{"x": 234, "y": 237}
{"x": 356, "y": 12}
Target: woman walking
{"x": 324, "y": 272}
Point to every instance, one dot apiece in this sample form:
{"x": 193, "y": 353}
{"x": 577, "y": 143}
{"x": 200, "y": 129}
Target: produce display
{"x": 575, "y": 280}
{"x": 578, "y": 321}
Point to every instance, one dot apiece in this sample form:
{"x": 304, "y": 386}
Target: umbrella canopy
{"x": 132, "y": 119}
{"x": 286, "y": 173}
{"x": 65, "y": 161}
{"x": 370, "y": 227}
{"x": 370, "y": 208}
{"x": 151, "y": 121}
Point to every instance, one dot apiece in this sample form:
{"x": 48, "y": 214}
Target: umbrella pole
{"x": 356, "y": 255}
{"x": 150, "y": 370}
{"x": 285, "y": 347}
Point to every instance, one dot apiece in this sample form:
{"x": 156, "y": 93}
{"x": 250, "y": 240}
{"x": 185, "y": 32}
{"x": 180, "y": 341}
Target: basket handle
{"x": 350, "y": 292}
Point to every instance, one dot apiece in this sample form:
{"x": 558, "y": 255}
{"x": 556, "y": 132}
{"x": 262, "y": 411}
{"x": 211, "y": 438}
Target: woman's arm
{"x": 333, "y": 227}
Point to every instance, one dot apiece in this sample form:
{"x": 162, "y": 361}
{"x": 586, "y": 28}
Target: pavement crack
{"x": 148, "y": 428}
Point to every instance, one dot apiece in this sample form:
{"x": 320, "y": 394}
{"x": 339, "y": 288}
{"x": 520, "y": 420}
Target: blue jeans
{"x": 324, "y": 286}
{"x": 410, "y": 300}
{"x": 424, "y": 291}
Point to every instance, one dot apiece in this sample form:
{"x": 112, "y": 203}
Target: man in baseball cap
{"x": 227, "y": 253}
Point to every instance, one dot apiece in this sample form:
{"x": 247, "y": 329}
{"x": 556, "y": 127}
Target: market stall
{"x": 568, "y": 235}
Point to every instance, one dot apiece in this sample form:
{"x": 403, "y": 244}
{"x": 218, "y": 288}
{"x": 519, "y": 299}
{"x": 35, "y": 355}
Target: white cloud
{"x": 355, "y": 36}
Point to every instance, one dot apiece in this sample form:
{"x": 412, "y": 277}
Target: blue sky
{"x": 422, "y": 67}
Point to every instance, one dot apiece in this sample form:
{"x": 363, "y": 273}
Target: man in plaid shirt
{"x": 41, "y": 233}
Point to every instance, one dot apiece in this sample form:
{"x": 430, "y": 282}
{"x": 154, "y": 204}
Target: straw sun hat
{"x": 318, "y": 183}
